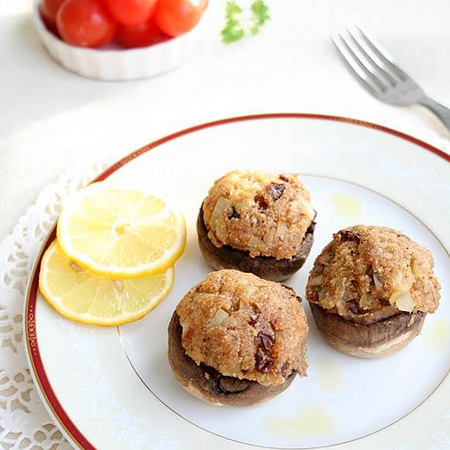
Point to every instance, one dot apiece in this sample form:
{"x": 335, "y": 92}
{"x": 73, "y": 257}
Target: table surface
{"x": 52, "y": 120}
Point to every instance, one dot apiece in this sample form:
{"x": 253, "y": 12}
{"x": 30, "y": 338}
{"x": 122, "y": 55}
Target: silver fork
{"x": 381, "y": 76}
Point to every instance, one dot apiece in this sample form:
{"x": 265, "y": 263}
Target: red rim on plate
{"x": 32, "y": 347}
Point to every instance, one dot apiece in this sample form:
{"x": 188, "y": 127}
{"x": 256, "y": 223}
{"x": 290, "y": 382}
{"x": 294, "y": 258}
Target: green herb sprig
{"x": 238, "y": 25}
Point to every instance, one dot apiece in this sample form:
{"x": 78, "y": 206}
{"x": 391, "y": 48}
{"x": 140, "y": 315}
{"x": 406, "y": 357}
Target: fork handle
{"x": 440, "y": 110}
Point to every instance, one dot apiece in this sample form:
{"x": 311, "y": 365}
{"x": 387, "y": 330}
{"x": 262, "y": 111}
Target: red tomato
{"x": 85, "y": 23}
{"x": 175, "y": 17}
{"x": 139, "y": 35}
{"x": 131, "y": 12}
{"x": 49, "y": 9}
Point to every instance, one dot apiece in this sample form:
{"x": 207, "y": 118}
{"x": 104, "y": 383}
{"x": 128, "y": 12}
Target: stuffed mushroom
{"x": 236, "y": 339}
{"x": 370, "y": 290}
{"x": 257, "y": 222}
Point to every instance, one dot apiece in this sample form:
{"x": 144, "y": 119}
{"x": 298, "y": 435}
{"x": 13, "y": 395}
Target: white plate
{"x": 113, "y": 389}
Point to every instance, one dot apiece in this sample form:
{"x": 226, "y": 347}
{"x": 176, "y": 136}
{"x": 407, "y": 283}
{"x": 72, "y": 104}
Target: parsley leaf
{"x": 238, "y": 25}
{"x": 232, "y": 9}
{"x": 232, "y": 31}
{"x": 261, "y": 15}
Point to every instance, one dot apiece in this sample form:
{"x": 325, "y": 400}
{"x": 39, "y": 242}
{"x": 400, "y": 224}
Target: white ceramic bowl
{"x": 122, "y": 64}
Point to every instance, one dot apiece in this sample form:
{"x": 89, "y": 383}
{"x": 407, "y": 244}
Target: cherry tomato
{"x": 131, "y": 12}
{"x": 175, "y": 17}
{"x": 85, "y": 23}
{"x": 49, "y": 9}
{"x": 139, "y": 35}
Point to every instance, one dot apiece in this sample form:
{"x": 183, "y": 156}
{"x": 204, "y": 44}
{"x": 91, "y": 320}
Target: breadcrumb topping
{"x": 244, "y": 327}
{"x": 263, "y": 213}
{"x": 367, "y": 273}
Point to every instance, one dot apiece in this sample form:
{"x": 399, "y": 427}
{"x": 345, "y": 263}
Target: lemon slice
{"x": 85, "y": 297}
{"x": 121, "y": 233}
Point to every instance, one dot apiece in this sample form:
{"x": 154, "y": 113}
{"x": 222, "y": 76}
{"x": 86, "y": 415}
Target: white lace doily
{"x": 24, "y": 422}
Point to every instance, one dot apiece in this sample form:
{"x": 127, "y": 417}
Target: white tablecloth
{"x": 52, "y": 120}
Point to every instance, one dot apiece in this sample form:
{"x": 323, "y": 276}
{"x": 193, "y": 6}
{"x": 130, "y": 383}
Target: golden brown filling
{"x": 262, "y": 213}
{"x": 368, "y": 273}
{"x": 244, "y": 327}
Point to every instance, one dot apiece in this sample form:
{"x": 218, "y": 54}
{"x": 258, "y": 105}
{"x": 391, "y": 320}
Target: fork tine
{"x": 383, "y": 55}
{"x": 373, "y": 63}
{"x": 362, "y": 74}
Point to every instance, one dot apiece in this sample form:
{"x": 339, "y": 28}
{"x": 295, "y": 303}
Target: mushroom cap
{"x": 374, "y": 340}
